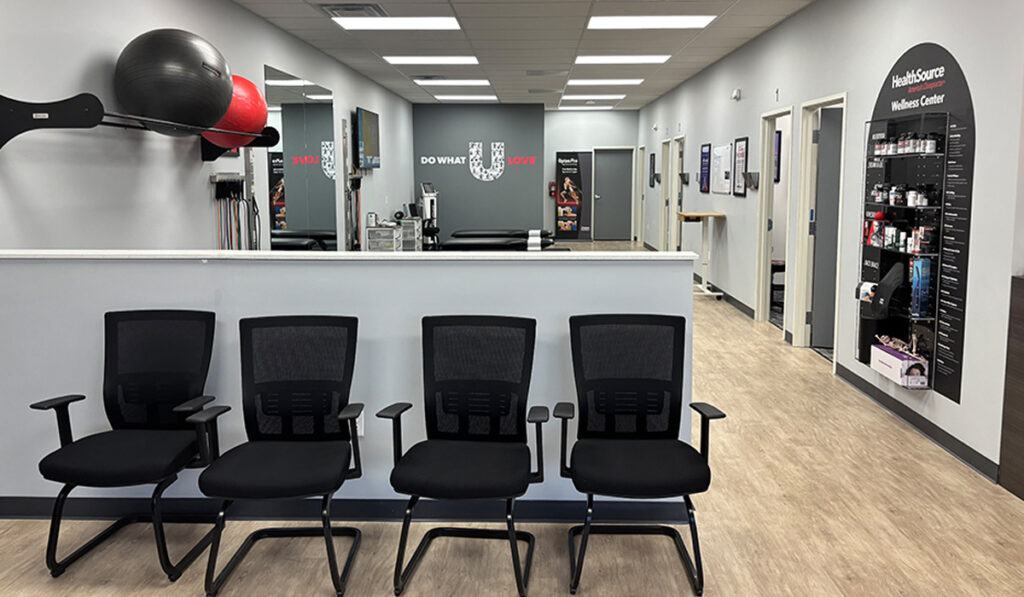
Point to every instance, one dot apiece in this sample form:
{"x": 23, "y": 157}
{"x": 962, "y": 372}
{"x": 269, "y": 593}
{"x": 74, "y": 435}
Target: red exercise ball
{"x": 247, "y": 113}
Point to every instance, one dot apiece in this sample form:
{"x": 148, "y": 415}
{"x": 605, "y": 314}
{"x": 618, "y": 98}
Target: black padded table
{"x": 491, "y": 244}
{"x": 327, "y": 240}
{"x": 294, "y": 244}
{"x": 497, "y": 234}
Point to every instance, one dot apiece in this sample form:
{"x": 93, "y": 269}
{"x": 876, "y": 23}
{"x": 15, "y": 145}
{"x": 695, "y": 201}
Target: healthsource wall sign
{"x": 475, "y": 159}
{"x": 928, "y": 79}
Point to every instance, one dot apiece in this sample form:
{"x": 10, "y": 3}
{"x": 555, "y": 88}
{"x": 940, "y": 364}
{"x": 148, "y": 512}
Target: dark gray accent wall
{"x": 309, "y": 193}
{"x": 513, "y": 198}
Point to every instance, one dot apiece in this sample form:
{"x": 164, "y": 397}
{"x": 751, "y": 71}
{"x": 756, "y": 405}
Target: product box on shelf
{"x": 907, "y": 370}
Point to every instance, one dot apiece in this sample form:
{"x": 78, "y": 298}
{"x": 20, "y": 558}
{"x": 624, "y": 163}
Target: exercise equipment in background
{"x": 247, "y": 113}
{"x": 426, "y": 208}
{"x": 173, "y": 75}
{"x": 238, "y": 217}
{"x": 169, "y": 81}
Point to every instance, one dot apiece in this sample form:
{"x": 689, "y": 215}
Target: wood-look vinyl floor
{"x": 816, "y": 491}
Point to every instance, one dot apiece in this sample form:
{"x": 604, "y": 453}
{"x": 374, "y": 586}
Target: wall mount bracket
{"x": 86, "y": 111}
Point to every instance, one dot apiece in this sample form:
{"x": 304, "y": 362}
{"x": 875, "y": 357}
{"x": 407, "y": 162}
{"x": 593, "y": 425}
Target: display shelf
{"x": 917, "y": 171}
{"x": 875, "y": 204}
{"x": 905, "y": 155}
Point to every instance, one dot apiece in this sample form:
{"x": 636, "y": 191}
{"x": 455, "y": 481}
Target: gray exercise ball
{"x": 170, "y": 74}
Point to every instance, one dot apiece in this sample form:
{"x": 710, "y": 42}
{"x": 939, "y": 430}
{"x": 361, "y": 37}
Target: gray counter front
{"x": 52, "y": 305}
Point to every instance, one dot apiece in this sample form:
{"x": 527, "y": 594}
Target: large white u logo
{"x": 476, "y": 161}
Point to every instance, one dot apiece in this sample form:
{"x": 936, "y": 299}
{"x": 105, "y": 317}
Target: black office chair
{"x": 629, "y": 382}
{"x": 296, "y": 377}
{"x": 155, "y": 366}
{"x": 476, "y": 378}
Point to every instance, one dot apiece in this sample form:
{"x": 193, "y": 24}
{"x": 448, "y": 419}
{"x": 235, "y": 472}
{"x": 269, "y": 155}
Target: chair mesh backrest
{"x": 476, "y": 376}
{"x": 629, "y": 374}
{"x": 296, "y": 376}
{"x": 154, "y": 361}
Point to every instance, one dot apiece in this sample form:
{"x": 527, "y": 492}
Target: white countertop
{"x": 205, "y": 255}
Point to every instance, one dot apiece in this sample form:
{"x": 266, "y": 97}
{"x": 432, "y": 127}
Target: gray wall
{"x": 60, "y": 342}
{"x": 582, "y": 131}
{"x": 310, "y": 201}
{"x": 509, "y": 201}
{"x": 836, "y": 46}
{"x": 110, "y": 188}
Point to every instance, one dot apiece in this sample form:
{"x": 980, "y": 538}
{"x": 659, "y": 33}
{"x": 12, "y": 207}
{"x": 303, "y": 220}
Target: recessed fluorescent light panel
{"x": 431, "y": 59}
{"x": 594, "y": 82}
{"x": 651, "y": 22}
{"x": 615, "y": 59}
{"x": 452, "y": 82}
{"x": 318, "y": 96}
{"x": 599, "y": 96}
{"x": 286, "y": 83}
{"x": 584, "y": 107}
{"x": 398, "y": 23}
{"x": 466, "y": 98}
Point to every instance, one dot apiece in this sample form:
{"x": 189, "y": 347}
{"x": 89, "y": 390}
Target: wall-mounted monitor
{"x": 366, "y": 145}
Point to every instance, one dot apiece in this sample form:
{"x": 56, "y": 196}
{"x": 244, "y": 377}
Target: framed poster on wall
{"x": 651, "y": 173}
{"x": 721, "y": 160}
{"x": 705, "y": 168}
{"x": 739, "y": 167}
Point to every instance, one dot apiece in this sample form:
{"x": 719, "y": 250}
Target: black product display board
{"x": 705, "y": 168}
{"x": 919, "y": 181}
{"x": 275, "y": 161}
{"x": 573, "y": 171}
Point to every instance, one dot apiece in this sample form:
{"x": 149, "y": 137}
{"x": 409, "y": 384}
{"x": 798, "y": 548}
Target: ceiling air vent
{"x": 547, "y": 73}
{"x": 536, "y": 91}
{"x": 354, "y": 9}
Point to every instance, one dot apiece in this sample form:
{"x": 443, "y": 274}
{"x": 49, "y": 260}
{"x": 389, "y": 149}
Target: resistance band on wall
{"x": 237, "y": 217}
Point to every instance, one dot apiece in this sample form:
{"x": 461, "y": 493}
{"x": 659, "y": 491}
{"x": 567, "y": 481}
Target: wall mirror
{"x": 302, "y": 166}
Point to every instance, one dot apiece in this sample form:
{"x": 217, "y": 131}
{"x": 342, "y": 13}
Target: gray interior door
{"x": 826, "y": 228}
{"x": 613, "y": 185}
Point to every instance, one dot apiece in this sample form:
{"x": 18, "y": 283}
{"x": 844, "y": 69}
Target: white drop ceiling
{"x": 527, "y": 49}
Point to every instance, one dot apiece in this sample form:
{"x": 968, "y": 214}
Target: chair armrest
{"x": 538, "y": 415}
{"x": 707, "y": 413}
{"x": 706, "y": 410}
{"x": 394, "y": 412}
{"x": 351, "y": 414}
{"x": 206, "y": 432}
{"x": 193, "y": 405}
{"x": 564, "y": 411}
{"x": 59, "y": 406}
{"x": 56, "y": 402}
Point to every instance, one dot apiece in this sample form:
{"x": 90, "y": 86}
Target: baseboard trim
{"x": 649, "y": 247}
{"x": 356, "y": 509}
{"x": 949, "y": 443}
{"x": 735, "y": 302}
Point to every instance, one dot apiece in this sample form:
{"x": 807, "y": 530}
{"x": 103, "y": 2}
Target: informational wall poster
{"x": 652, "y": 173}
{"x": 777, "y": 156}
{"x": 573, "y": 170}
{"x": 928, "y": 80}
{"x": 721, "y": 161}
{"x": 739, "y": 168}
{"x": 705, "y": 168}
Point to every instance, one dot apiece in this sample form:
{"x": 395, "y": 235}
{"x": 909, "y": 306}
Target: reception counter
{"x": 52, "y": 321}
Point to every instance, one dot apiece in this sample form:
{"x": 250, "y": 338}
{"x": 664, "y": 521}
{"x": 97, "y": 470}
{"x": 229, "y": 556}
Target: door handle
{"x": 597, "y": 196}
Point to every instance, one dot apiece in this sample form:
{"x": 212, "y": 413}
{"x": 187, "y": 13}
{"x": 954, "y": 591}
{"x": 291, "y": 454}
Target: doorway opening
{"x": 676, "y": 204}
{"x": 818, "y": 233}
{"x": 666, "y": 193}
{"x": 612, "y": 214}
{"x": 771, "y": 286}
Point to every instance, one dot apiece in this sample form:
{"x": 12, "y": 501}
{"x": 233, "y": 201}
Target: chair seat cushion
{"x": 121, "y": 457}
{"x": 638, "y": 468}
{"x": 449, "y": 469}
{"x": 277, "y": 469}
